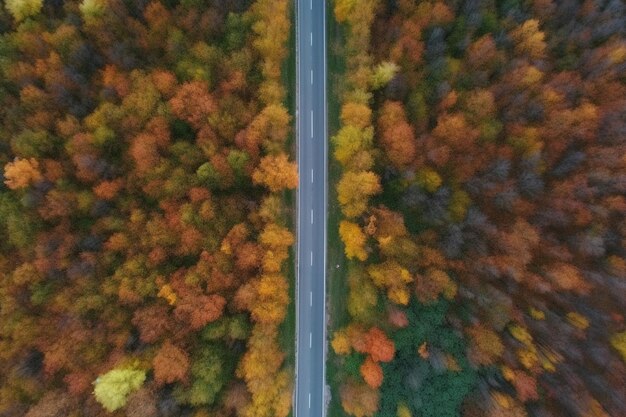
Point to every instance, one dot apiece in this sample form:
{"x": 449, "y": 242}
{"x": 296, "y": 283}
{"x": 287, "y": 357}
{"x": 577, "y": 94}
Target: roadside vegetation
{"x": 145, "y": 208}
{"x": 482, "y": 209}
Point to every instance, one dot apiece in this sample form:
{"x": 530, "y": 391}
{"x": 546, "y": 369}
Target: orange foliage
{"x": 107, "y": 190}
{"x": 379, "y": 346}
{"x": 153, "y": 322}
{"x": 372, "y": 373}
{"x": 170, "y": 364}
{"x": 21, "y": 173}
{"x": 198, "y": 310}
{"x": 397, "y": 136}
{"x": 276, "y": 173}
{"x": 193, "y": 103}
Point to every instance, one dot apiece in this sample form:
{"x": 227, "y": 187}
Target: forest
{"x": 482, "y": 199}
{"x": 145, "y": 220}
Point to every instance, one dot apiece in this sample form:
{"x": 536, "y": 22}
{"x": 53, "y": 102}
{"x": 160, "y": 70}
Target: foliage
{"x": 144, "y": 223}
{"x": 112, "y": 389}
{"x": 478, "y": 150}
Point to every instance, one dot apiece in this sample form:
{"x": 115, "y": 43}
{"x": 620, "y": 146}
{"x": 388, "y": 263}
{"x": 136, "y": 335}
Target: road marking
{"x": 311, "y": 299}
{"x": 310, "y": 340}
{"x": 309, "y": 400}
{"x": 311, "y": 216}
{"x": 311, "y": 258}
{"x": 312, "y": 177}
{"x": 311, "y": 38}
{"x": 311, "y": 123}
{"x": 311, "y": 5}
{"x": 311, "y": 77}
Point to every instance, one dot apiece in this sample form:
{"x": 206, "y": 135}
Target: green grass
{"x": 287, "y": 334}
{"x": 337, "y": 282}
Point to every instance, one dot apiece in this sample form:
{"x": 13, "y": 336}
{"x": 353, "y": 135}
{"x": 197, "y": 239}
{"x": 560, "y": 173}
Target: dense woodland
{"x": 144, "y": 223}
{"x": 483, "y": 198}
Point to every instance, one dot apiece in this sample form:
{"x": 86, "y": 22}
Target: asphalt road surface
{"x": 312, "y": 151}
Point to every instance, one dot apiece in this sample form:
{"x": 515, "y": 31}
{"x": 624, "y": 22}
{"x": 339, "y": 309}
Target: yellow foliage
{"x": 529, "y": 39}
{"x": 507, "y": 373}
{"x": 343, "y": 9}
{"x": 341, "y": 343}
{"x": 354, "y": 240}
{"x": 354, "y": 190}
{"x": 403, "y": 411}
{"x": 429, "y": 179}
{"x": 502, "y": 400}
{"x": 577, "y": 320}
{"x": 356, "y": 114}
{"x": 459, "y": 203}
{"x": 521, "y": 334}
{"x": 351, "y": 142}
{"x": 362, "y": 297}
{"x": 536, "y": 314}
{"x": 618, "y": 341}
{"x": 21, "y": 9}
{"x": 398, "y": 295}
{"x": 167, "y": 293}
{"x": 528, "y": 358}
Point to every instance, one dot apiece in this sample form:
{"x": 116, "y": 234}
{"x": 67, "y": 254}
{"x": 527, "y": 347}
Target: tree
{"x": 353, "y": 147}
{"x": 379, "y": 346}
{"x": 52, "y": 404}
{"x": 372, "y": 373}
{"x": 356, "y": 114}
{"x": 21, "y": 9}
{"x": 382, "y": 74}
{"x": 276, "y": 173}
{"x": 193, "y": 103}
{"x": 198, "y": 310}
{"x": 272, "y": 299}
{"x": 359, "y": 400}
{"x": 362, "y": 297}
{"x": 21, "y": 173}
{"x": 170, "y": 364}
{"x": 269, "y": 128}
{"x": 354, "y": 240}
{"x": 354, "y": 190}
{"x": 485, "y": 347}
{"x": 141, "y": 403}
{"x": 153, "y": 322}
{"x": 397, "y": 135}
{"x": 343, "y": 8}
{"x": 529, "y": 39}
{"x": 113, "y": 388}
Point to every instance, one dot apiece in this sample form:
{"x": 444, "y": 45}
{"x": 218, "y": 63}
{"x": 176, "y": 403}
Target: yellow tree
{"x": 354, "y": 240}
{"x": 355, "y": 189}
{"x": 356, "y": 114}
{"x": 353, "y": 146}
{"x": 393, "y": 277}
{"x": 529, "y": 39}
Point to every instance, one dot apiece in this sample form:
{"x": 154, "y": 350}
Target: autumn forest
{"x": 477, "y": 201}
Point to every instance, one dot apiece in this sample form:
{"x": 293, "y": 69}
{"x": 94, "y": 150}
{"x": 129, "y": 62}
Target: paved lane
{"x": 312, "y": 151}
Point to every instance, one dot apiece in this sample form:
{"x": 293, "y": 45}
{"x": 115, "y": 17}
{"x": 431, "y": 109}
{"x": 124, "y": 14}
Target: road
{"x": 312, "y": 191}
